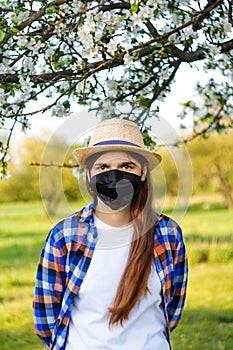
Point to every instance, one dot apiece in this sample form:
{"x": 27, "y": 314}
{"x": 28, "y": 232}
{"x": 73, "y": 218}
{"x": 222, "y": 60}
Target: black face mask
{"x": 115, "y": 188}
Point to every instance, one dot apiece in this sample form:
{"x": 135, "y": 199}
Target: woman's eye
{"x": 126, "y": 167}
{"x": 102, "y": 167}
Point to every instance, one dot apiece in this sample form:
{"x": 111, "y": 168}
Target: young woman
{"x": 112, "y": 275}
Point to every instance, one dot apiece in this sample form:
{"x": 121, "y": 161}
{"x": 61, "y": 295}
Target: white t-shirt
{"x": 88, "y": 329}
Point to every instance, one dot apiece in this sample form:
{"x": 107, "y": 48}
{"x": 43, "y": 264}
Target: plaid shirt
{"x": 64, "y": 262}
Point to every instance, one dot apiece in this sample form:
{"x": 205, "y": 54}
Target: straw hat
{"x": 117, "y": 135}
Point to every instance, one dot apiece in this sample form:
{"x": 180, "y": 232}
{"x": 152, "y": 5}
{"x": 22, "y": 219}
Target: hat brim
{"x": 81, "y": 154}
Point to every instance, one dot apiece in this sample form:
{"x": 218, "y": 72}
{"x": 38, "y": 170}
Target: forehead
{"x": 116, "y": 157}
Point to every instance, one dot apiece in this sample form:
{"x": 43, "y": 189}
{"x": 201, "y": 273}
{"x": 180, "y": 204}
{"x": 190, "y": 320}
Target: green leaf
{"x": 66, "y": 104}
{"x": 156, "y": 51}
{"x": 49, "y": 10}
{"x": 167, "y": 43}
{"x": 134, "y": 7}
{"x": 135, "y": 56}
{"x": 15, "y": 21}
{"x": 144, "y": 102}
{"x": 148, "y": 140}
{"x": 122, "y": 18}
{"x": 17, "y": 10}
{"x": 2, "y": 35}
{"x": 14, "y": 30}
{"x": 155, "y": 110}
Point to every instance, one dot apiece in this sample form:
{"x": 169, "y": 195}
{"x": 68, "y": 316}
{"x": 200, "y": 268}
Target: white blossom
{"x": 137, "y": 19}
{"x": 4, "y": 67}
{"x": 67, "y": 9}
{"x": 90, "y": 52}
{"x": 2, "y": 96}
{"x": 128, "y": 60}
{"x": 175, "y": 19}
{"x": 90, "y": 23}
{"x": 22, "y": 40}
{"x": 76, "y": 5}
{"x": 31, "y": 43}
{"x": 107, "y": 110}
{"x": 21, "y": 17}
{"x": 108, "y": 18}
{"x": 65, "y": 85}
{"x": 166, "y": 29}
{"x": 5, "y": 5}
{"x": 188, "y": 33}
{"x": 155, "y": 2}
{"x": 26, "y": 86}
{"x": 164, "y": 74}
{"x": 112, "y": 46}
{"x": 226, "y": 25}
{"x": 58, "y": 110}
{"x": 146, "y": 12}
{"x": 15, "y": 107}
{"x": 49, "y": 52}
{"x": 112, "y": 84}
{"x": 25, "y": 124}
{"x": 98, "y": 35}
{"x": 212, "y": 50}
{"x": 84, "y": 33}
{"x": 28, "y": 64}
{"x": 37, "y": 46}
{"x": 174, "y": 38}
{"x": 111, "y": 88}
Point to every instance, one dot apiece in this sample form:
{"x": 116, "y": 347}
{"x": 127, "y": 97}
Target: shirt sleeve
{"x": 50, "y": 279}
{"x": 176, "y": 304}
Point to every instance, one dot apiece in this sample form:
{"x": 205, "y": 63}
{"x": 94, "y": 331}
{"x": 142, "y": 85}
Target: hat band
{"x": 116, "y": 142}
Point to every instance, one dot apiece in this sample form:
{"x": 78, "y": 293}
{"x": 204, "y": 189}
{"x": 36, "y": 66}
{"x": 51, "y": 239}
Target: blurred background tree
{"x": 26, "y": 184}
{"x": 212, "y": 161}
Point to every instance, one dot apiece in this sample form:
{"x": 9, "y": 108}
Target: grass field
{"x": 208, "y": 317}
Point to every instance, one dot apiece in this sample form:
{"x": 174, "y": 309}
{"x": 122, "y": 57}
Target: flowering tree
{"x": 105, "y": 53}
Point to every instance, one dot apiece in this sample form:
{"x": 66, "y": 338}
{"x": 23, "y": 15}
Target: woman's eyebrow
{"x": 128, "y": 163}
{"x": 121, "y": 164}
{"x": 100, "y": 164}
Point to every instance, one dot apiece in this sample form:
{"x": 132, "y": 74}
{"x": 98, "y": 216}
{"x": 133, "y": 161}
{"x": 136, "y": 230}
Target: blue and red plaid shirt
{"x": 64, "y": 262}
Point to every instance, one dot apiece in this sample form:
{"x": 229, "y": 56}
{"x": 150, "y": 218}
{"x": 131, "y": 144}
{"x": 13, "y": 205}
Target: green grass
{"x": 207, "y": 323}
{"x": 208, "y": 225}
{"x": 23, "y": 229}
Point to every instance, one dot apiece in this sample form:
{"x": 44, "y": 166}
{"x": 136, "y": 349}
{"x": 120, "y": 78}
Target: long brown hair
{"x": 134, "y": 280}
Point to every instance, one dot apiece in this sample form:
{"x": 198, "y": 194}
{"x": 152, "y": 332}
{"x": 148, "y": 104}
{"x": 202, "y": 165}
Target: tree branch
{"x": 51, "y": 164}
{"x": 166, "y": 83}
{"x": 140, "y": 88}
{"x": 202, "y": 132}
{"x": 142, "y": 50}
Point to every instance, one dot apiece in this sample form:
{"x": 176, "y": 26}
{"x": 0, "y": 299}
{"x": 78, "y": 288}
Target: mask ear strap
{"x": 144, "y": 172}
{"x": 88, "y": 175}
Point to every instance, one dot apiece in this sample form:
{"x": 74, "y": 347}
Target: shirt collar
{"x": 86, "y": 213}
